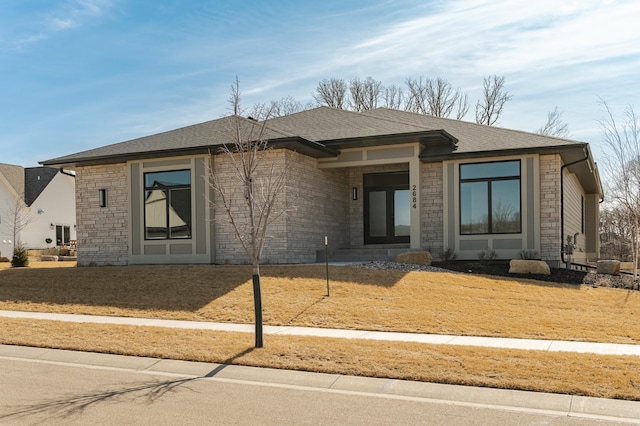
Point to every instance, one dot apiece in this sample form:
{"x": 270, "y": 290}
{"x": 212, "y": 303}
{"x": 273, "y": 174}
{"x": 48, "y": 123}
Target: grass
{"x": 362, "y": 299}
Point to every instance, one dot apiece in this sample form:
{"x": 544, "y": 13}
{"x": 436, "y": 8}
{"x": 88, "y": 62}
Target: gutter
{"x": 562, "y": 246}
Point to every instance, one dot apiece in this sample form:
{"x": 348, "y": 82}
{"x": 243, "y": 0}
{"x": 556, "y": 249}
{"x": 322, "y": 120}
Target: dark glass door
{"x": 386, "y": 208}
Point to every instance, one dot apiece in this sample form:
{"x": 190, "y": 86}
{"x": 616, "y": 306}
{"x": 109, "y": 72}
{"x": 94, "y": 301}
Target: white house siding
{"x": 56, "y": 205}
{"x": 8, "y": 199}
{"x": 432, "y": 199}
{"x": 550, "y": 208}
{"x": 102, "y": 231}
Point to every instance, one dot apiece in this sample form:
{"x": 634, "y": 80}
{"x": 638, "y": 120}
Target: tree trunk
{"x": 257, "y": 304}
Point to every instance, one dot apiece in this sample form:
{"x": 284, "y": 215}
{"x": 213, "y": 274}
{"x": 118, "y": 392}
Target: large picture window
{"x": 167, "y": 204}
{"x": 490, "y": 198}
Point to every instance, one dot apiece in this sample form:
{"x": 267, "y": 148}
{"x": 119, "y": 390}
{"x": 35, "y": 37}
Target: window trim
{"x": 145, "y": 188}
{"x": 489, "y": 181}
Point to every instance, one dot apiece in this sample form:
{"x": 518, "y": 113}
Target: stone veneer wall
{"x": 102, "y": 232}
{"x": 550, "y": 209}
{"x": 432, "y": 207}
{"x": 320, "y": 200}
{"x": 317, "y": 206}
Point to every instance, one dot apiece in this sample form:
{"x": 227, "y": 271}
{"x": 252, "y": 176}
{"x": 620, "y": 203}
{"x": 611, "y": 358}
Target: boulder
{"x": 415, "y": 258}
{"x": 49, "y": 258}
{"x": 608, "y": 267}
{"x": 519, "y": 266}
{"x": 626, "y": 266}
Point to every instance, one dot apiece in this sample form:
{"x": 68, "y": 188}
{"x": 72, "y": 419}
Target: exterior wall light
{"x": 102, "y": 195}
{"x": 354, "y": 193}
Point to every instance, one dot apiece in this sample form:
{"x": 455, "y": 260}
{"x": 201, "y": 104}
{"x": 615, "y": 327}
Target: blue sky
{"x": 77, "y": 74}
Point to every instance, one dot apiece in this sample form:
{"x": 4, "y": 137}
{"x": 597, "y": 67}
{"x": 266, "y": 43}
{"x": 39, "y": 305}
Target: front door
{"x": 386, "y": 208}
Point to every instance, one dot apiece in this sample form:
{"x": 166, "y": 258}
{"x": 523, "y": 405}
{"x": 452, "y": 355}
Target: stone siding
{"x": 316, "y": 205}
{"x": 432, "y": 207}
{"x": 102, "y": 232}
{"x": 550, "y": 209}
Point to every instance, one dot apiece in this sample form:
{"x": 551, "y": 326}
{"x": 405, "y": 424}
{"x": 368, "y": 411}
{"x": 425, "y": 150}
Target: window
{"x": 490, "y": 198}
{"x": 63, "y": 235}
{"x": 167, "y": 205}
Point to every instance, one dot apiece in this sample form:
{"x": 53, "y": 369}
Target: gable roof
{"x": 36, "y": 180}
{"x": 14, "y": 176}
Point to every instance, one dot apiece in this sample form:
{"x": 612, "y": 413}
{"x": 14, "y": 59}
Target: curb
{"x": 502, "y": 399}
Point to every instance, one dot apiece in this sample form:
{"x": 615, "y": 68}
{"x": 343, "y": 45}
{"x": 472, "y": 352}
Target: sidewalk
{"x": 437, "y": 339}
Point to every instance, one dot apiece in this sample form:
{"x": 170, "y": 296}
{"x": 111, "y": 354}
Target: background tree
{"x": 17, "y": 218}
{"x": 263, "y": 179}
{"x": 435, "y": 97}
{"x": 364, "y": 94}
{"x": 494, "y": 96}
{"x": 288, "y": 105}
{"x": 393, "y": 97}
{"x": 554, "y": 125}
{"x": 331, "y": 92}
{"x": 622, "y": 163}
{"x": 615, "y": 233}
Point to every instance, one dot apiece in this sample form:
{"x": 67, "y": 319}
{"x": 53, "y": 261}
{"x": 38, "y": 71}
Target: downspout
{"x": 562, "y": 246}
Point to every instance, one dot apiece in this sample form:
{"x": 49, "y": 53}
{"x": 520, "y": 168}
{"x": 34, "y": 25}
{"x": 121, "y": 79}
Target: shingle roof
{"x": 318, "y": 126}
{"x": 36, "y": 180}
{"x": 15, "y": 176}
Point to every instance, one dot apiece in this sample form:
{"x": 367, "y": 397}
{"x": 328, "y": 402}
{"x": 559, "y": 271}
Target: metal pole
{"x": 326, "y": 260}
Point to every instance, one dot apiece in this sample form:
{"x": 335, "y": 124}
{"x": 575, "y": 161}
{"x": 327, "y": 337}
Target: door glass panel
{"x": 378, "y": 213}
{"x": 402, "y": 219}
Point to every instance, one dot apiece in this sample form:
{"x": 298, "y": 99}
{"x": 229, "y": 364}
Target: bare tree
{"x": 622, "y": 163}
{"x": 436, "y": 97}
{"x": 393, "y": 97}
{"x": 18, "y": 217}
{"x": 364, "y": 94}
{"x": 615, "y": 233}
{"x": 416, "y": 100}
{"x": 288, "y": 105}
{"x": 554, "y": 125}
{"x": 331, "y": 92}
{"x": 263, "y": 181}
{"x": 494, "y": 96}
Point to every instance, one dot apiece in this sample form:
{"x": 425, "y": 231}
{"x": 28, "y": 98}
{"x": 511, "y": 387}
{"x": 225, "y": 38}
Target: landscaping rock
{"x": 49, "y": 258}
{"x": 415, "y": 258}
{"x": 626, "y": 266}
{"x": 608, "y": 267}
{"x": 519, "y": 266}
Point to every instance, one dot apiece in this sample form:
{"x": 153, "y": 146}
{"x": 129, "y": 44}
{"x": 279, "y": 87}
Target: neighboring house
{"x": 43, "y": 200}
{"x": 381, "y": 178}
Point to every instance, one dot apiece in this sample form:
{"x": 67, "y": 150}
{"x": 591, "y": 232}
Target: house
{"x": 376, "y": 179}
{"x": 41, "y": 201}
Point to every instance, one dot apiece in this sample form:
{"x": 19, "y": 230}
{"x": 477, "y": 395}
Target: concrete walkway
{"x": 494, "y": 342}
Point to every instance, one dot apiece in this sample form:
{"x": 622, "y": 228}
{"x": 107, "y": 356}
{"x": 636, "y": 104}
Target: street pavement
{"x": 50, "y": 386}
{"x": 56, "y": 386}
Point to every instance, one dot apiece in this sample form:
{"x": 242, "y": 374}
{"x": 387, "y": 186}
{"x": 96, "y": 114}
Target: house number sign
{"x": 414, "y": 197}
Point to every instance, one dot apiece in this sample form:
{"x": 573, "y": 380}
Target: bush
{"x": 20, "y": 257}
{"x": 529, "y": 255}
{"x": 448, "y": 255}
{"x": 485, "y": 256}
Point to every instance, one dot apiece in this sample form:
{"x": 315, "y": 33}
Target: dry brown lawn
{"x": 426, "y": 302}
{"x": 360, "y": 299}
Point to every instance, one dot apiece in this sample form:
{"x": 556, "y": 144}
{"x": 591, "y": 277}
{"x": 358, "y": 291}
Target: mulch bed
{"x": 562, "y": 276}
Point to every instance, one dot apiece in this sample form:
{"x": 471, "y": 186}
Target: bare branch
{"x": 489, "y": 108}
{"x": 554, "y": 125}
{"x": 331, "y": 92}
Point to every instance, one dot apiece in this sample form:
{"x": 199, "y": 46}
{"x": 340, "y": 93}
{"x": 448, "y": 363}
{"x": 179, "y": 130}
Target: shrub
{"x": 20, "y": 257}
{"x": 485, "y": 256}
{"x": 529, "y": 255}
{"x": 448, "y": 255}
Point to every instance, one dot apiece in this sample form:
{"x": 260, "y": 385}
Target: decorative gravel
{"x": 394, "y": 266}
